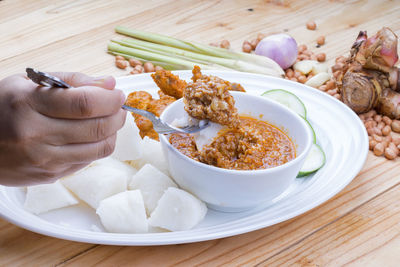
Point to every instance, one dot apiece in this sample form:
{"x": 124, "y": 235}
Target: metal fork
{"x": 159, "y": 126}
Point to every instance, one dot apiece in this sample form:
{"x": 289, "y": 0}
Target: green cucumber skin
{"x": 282, "y": 91}
{"x": 306, "y": 173}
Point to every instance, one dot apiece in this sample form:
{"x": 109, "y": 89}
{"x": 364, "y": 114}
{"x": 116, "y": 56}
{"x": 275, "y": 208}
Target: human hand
{"x": 47, "y": 133}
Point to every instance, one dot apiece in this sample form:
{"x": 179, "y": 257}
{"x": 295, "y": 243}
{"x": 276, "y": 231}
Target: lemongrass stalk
{"x": 167, "y": 66}
{"x": 203, "y": 49}
{"x": 151, "y": 56}
{"x": 165, "y": 50}
{"x": 226, "y": 62}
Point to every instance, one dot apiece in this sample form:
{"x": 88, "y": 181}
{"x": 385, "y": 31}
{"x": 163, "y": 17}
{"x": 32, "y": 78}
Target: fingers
{"x": 77, "y": 79}
{"x": 64, "y": 131}
{"x": 83, "y": 153}
{"x": 76, "y": 103}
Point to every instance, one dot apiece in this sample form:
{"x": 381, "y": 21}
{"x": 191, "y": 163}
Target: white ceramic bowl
{"x": 238, "y": 190}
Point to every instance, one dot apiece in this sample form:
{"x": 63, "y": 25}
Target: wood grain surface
{"x": 358, "y": 227}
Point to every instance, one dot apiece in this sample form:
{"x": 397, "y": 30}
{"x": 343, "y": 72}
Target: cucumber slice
{"x": 314, "y": 161}
{"x": 312, "y": 131}
{"x": 288, "y": 99}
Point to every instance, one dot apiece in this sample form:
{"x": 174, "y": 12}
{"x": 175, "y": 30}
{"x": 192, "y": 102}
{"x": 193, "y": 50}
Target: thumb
{"x": 77, "y": 79}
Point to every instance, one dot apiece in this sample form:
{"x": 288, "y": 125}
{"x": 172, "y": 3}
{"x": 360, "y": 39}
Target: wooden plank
{"x": 54, "y": 22}
{"x": 369, "y": 236}
{"x": 19, "y": 247}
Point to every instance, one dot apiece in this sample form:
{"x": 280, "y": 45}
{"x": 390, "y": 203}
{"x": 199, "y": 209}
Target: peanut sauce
{"x": 254, "y": 145}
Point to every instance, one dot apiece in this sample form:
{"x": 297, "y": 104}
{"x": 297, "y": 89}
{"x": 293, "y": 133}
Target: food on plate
{"x": 254, "y": 145}
{"x": 123, "y": 213}
{"x": 369, "y": 78}
{"x": 152, "y": 183}
{"x": 177, "y": 210}
{"x": 288, "y": 99}
{"x": 104, "y": 186}
{"x": 169, "y": 83}
{"x": 128, "y": 145}
{"x": 282, "y": 48}
{"x": 97, "y": 182}
{"x": 46, "y": 197}
{"x": 208, "y": 97}
{"x": 314, "y": 161}
{"x": 245, "y": 144}
{"x": 144, "y": 100}
{"x": 153, "y": 155}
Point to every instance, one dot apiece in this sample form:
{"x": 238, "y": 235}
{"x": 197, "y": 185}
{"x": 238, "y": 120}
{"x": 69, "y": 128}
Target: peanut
{"x": 133, "y": 72}
{"x": 380, "y": 125}
{"x": 148, "y": 67}
{"x": 370, "y": 113}
{"x": 386, "y": 130}
{"x": 321, "y": 40}
{"x": 370, "y": 124}
{"x": 225, "y": 44}
{"x": 119, "y": 58}
{"x": 396, "y": 140}
{"x": 390, "y": 154}
{"x": 379, "y": 149}
{"x": 371, "y": 131}
{"x": 378, "y": 118}
{"x": 331, "y": 92}
{"x": 289, "y": 73}
{"x": 330, "y": 85}
{"x": 302, "y": 79}
{"x": 134, "y": 62}
{"x": 254, "y": 43}
{"x": 396, "y": 126}
{"x": 158, "y": 68}
{"x": 336, "y": 74}
{"x": 322, "y": 88}
{"x": 387, "y": 120}
{"x": 377, "y": 138}
{"x": 311, "y": 25}
{"x": 246, "y": 47}
{"x": 372, "y": 144}
{"x": 378, "y": 131}
{"x": 321, "y": 57}
{"x": 302, "y": 48}
{"x": 260, "y": 36}
{"x": 393, "y": 147}
{"x": 337, "y": 66}
{"x": 121, "y": 64}
{"x": 303, "y": 57}
{"x": 139, "y": 68}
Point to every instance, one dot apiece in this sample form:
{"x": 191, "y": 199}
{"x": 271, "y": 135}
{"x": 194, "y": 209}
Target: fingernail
{"x": 107, "y": 82}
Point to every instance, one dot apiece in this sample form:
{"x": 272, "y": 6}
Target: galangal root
{"x": 369, "y": 78}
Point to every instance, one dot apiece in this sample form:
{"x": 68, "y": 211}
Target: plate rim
{"x": 185, "y": 236}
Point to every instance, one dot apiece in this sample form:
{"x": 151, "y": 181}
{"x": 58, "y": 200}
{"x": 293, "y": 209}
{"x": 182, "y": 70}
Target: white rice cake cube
{"x": 45, "y": 197}
{"x": 123, "y": 213}
{"x": 178, "y": 210}
{"x": 152, "y": 183}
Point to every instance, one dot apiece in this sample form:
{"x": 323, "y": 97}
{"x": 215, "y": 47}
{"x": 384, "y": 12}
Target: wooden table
{"x": 359, "y": 227}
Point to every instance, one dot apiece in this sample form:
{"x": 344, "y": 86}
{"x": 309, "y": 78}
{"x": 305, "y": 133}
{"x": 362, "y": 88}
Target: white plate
{"x": 339, "y": 131}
